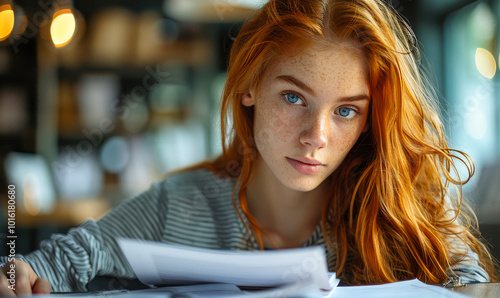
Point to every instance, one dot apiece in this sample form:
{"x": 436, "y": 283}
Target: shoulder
{"x": 196, "y": 178}
{"x": 199, "y": 182}
{"x": 200, "y": 211}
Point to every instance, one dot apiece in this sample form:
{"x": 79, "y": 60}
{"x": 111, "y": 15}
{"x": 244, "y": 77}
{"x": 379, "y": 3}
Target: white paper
{"x": 304, "y": 289}
{"x": 333, "y": 281}
{"x": 164, "y": 264}
{"x": 407, "y": 289}
{"x": 192, "y": 291}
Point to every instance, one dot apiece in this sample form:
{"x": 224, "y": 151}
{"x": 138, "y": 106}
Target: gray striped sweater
{"x": 192, "y": 208}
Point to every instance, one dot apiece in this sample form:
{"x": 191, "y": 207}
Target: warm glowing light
{"x": 485, "y": 63}
{"x": 6, "y": 21}
{"x": 63, "y": 27}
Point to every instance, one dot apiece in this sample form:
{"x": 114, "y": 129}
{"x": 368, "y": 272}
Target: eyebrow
{"x": 303, "y": 86}
{"x": 297, "y": 83}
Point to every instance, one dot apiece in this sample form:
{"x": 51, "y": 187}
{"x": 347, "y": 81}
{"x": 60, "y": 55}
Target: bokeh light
{"x": 115, "y": 154}
{"x": 63, "y": 27}
{"x": 476, "y": 124}
{"x": 485, "y": 63}
{"x": 6, "y": 21}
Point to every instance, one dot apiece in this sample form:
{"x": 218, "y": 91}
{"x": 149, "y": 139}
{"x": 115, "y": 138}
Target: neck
{"x": 287, "y": 216}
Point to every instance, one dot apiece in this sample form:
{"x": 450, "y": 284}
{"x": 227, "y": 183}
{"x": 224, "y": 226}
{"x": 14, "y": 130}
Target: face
{"x": 310, "y": 110}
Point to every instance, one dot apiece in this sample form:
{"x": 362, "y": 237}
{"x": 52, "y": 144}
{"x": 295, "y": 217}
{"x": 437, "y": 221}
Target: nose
{"x": 315, "y": 131}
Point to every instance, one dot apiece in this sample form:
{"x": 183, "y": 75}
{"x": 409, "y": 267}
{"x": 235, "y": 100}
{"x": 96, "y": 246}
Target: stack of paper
{"x": 300, "y": 272}
{"x": 407, "y": 289}
{"x": 164, "y": 264}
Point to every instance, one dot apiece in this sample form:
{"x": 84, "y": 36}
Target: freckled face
{"x": 309, "y": 112}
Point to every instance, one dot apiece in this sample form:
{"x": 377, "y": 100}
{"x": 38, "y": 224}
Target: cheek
{"x": 346, "y": 139}
{"x": 273, "y": 125}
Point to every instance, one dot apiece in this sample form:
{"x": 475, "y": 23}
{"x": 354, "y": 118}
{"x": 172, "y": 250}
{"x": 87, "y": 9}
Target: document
{"x": 165, "y": 264}
{"x": 298, "y": 272}
{"x": 203, "y": 291}
{"x": 408, "y": 289}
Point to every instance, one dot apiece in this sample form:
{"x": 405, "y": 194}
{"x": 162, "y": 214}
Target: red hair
{"x": 390, "y": 211}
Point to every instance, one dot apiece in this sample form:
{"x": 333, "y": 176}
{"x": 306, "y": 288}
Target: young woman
{"x": 334, "y": 140}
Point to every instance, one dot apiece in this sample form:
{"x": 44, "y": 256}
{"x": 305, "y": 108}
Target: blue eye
{"x": 347, "y": 113}
{"x": 293, "y": 98}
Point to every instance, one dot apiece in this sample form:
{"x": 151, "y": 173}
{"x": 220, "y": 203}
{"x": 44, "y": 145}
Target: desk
{"x": 480, "y": 290}
{"x": 106, "y": 283}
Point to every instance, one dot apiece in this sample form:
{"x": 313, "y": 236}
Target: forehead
{"x": 337, "y": 67}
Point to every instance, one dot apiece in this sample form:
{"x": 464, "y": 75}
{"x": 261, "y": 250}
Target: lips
{"x": 306, "y": 166}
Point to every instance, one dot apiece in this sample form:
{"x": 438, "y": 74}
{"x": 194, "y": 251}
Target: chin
{"x": 302, "y": 184}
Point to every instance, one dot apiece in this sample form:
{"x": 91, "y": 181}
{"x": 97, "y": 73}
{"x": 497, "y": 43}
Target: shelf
{"x": 65, "y": 213}
{"x": 124, "y": 72}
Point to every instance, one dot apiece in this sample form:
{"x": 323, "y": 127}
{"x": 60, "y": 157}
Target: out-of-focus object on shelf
{"x": 142, "y": 169}
{"x": 68, "y": 115}
{"x": 111, "y": 33}
{"x": 211, "y": 11}
{"x": 180, "y": 144}
{"x": 5, "y": 60}
{"x": 194, "y": 52}
{"x": 78, "y": 175}
{"x": 97, "y": 93}
{"x": 487, "y": 194}
{"x": 31, "y": 177}
{"x": 13, "y": 116}
{"x": 149, "y": 39}
{"x": 115, "y": 154}
{"x": 138, "y": 118}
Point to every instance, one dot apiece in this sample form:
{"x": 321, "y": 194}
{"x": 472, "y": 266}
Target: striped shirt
{"x": 191, "y": 208}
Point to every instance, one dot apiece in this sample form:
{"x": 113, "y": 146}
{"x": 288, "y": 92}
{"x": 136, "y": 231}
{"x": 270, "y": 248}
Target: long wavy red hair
{"x": 390, "y": 214}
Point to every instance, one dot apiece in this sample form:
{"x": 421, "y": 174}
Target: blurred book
{"x": 487, "y": 194}
{"x": 98, "y": 94}
{"x": 180, "y": 145}
{"x": 31, "y": 176}
{"x": 13, "y": 116}
{"x": 111, "y": 37}
{"x": 77, "y": 176}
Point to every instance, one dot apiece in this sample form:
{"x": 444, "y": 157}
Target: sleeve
{"x": 70, "y": 261}
{"x": 468, "y": 269}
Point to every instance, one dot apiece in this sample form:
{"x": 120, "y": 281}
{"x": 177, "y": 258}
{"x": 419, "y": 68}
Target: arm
{"x": 467, "y": 269}
{"x": 70, "y": 261}
{"x": 465, "y": 261}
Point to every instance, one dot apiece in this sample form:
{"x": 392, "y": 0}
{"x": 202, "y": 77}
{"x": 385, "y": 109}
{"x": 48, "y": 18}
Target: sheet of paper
{"x": 333, "y": 281}
{"x": 163, "y": 264}
{"x": 191, "y": 291}
{"x": 408, "y": 289}
{"x": 303, "y": 289}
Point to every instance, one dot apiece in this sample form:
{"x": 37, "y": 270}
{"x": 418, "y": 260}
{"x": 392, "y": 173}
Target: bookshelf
{"x": 50, "y": 82}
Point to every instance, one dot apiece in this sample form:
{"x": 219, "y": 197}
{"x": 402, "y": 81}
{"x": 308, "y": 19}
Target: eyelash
{"x": 285, "y": 93}
{"x": 355, "y": 110}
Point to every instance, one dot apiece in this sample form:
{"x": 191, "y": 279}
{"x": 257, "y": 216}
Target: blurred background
{"x": 98, "y": 99}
